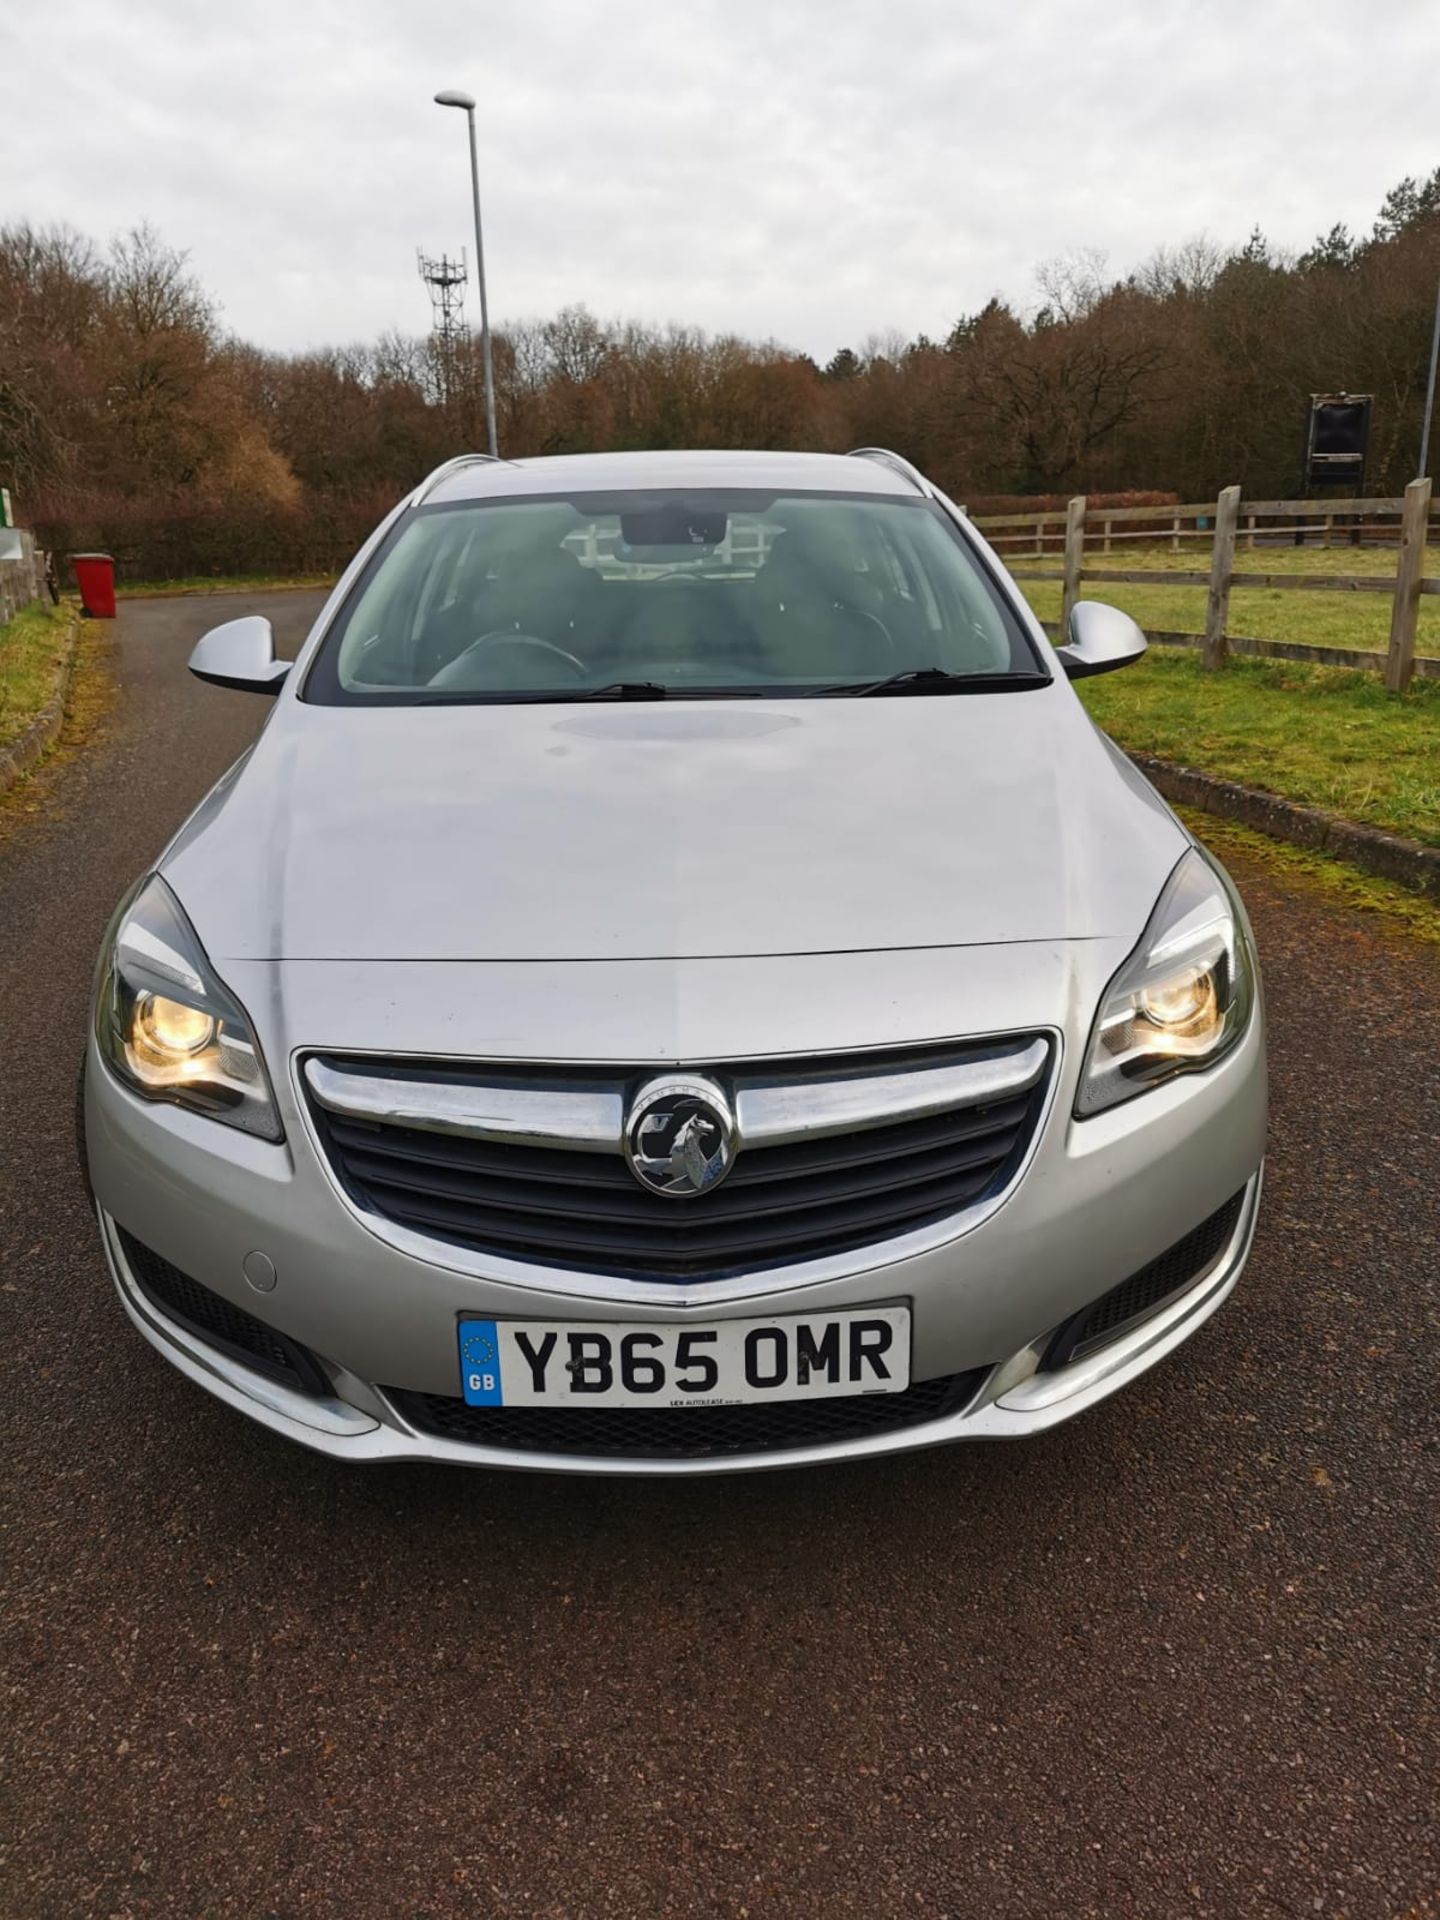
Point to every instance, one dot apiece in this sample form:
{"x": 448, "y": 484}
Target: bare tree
{"x": 1074, "y": 283}
{"x": 127, "y": 414}
{"x": 577, "y": 344}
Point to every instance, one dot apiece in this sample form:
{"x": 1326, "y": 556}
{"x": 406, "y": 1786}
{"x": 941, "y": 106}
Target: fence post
{"x": 1074, "y": 558}
{"x": 1175, "y": 534}
{"x": 1222, "y": 565}
{"x": 1108, "y": 525}
{"x": 1405, "y": 609}
{"x": 1250, "y": 532}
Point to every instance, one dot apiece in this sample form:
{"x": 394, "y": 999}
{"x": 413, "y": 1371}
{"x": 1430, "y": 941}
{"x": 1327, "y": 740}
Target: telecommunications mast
{"x": 445, "y": 279}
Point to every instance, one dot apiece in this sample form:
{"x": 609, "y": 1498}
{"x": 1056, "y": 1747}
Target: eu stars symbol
{"x": 479, "y": 1350}
{"x": 480, "y": 1364}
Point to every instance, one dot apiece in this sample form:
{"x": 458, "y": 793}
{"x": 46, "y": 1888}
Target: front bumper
{"x": 1097, "y": 1201}
{"x": 1011, "y": 1404}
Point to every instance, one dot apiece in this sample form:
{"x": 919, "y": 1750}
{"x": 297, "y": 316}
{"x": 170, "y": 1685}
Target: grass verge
{"x": 1319, "y": 735}
{"x": 221, "y": 583}
{"x": 59, "y": 780}
{"x": 1390, "y": 910}
{"x": 1355, "y": 620}
{"x": 34, "y": 648}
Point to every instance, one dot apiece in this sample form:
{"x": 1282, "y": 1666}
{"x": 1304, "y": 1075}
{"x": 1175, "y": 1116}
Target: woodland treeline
{"x": 130, "y": 418}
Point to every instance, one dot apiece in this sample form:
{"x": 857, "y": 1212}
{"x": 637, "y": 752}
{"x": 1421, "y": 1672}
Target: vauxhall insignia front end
{"x": 449, "y": 1096}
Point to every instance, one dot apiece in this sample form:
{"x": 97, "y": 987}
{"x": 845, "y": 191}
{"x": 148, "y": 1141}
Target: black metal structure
{"x": 1337, "y": 439}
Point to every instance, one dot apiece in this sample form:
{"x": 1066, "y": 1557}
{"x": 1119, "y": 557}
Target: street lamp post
{"x": 452, "y": 98}
{"x": 1424, "y": 467}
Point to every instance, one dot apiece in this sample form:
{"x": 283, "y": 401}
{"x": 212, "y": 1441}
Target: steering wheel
{"x": 453, "y": 673}
{"x": 874, "y": 620}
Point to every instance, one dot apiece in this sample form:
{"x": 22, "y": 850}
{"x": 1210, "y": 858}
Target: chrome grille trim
{"x": 770, "y": 1110}
{"x": 587, "y": 1119}
{"x": 698, "y": 1293}
{"x": 817, "y": 1106}
{"x": 793, "y": 1212}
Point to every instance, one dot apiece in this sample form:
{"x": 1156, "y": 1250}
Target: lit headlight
{"x": 167, "y": 1026}
{"x": 1181, "y": 1000}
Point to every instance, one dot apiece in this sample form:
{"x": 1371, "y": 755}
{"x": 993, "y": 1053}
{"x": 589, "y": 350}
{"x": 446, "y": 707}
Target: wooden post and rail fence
{"x": 1403, "y": 522}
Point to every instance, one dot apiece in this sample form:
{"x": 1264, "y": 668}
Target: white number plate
{"x": 622, "y": 1363}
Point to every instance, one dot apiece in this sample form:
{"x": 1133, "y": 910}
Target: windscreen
{"x": 689, "y": 594}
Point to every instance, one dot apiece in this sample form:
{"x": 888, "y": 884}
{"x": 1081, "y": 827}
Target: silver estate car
{"x": 678, "y": 985}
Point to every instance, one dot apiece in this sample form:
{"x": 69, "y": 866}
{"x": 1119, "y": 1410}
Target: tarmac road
{"x": 1174, "y": 1659}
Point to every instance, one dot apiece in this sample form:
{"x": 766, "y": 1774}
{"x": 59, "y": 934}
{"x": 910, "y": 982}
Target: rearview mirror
{"x": 1100, "y": 639}
{"x": 241, "y": 654}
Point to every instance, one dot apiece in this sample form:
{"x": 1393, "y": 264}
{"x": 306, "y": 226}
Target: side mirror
{"x": 1101, "y": 638}
{"x": 241, "y": 654}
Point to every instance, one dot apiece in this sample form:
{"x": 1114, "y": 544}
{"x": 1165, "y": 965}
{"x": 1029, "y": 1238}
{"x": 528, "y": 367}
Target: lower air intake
{"x": 687, "y": 1433}
{"x": 1148, "y": 1290}
{"x": 229, "y": 1329}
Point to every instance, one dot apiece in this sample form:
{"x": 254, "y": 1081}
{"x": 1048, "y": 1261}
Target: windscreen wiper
{"x": 937, "y": 680}
{"x": 621, "y": 690}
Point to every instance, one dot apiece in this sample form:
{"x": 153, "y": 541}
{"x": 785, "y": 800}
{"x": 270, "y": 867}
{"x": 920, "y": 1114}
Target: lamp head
{"x": 452, "y": 97}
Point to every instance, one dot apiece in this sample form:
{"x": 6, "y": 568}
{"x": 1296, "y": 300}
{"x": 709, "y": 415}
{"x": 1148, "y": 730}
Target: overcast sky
{"x": 815, "y": 172}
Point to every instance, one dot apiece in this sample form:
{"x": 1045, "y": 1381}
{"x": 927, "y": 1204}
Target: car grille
{"x": 227, "y": 1328}
{"x": 781, "y": 1203}
{"x": 687, "y": 1433}
{"x": 1148, "y": 1290}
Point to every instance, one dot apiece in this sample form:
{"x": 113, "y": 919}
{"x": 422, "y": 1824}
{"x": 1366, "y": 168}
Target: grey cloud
{"x": 815, "y": 172}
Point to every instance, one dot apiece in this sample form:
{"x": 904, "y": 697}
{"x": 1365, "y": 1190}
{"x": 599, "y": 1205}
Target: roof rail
{"x": 443, "y": 472}
{"x": 897, "y": 463}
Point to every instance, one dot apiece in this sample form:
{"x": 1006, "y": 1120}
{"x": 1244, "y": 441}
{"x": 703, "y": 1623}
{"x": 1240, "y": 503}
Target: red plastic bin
{"x": 96, "y": 575}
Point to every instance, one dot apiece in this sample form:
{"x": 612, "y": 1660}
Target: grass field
{"x": 1356, "y": 620}
{"x": 1318, "y": 735}
{"x": 33, "y": 649}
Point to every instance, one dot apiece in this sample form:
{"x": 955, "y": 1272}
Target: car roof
{"x": 483, "y": 479}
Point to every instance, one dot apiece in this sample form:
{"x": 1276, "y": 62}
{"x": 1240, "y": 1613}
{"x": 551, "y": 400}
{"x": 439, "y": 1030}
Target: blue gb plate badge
{"x": 480, "y": 1364}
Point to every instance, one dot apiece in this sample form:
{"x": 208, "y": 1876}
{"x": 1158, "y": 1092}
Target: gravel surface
{"x": 1176, "y": 1658}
